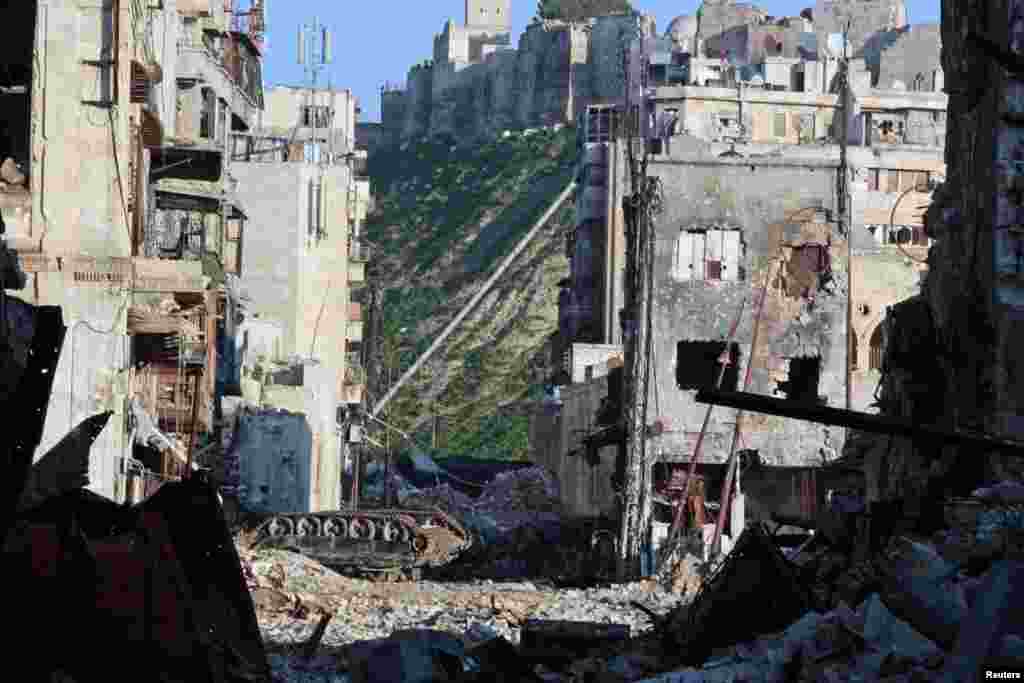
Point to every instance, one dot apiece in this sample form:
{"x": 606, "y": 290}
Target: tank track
{"x": 368, "y": 540}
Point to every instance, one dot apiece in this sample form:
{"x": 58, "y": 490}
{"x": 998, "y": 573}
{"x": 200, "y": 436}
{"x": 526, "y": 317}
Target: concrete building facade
{"x": 117, "y": 201}
{"x": 304, "y": 181}
{"x": 746, "y": 150}
{"x": 952, "y": 353}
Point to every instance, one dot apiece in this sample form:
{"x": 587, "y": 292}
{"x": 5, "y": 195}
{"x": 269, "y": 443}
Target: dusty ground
{"x": 291, "y": 591}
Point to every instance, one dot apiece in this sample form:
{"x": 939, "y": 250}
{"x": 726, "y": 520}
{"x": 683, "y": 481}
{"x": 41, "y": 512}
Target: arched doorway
{"x": 877, "y": 347}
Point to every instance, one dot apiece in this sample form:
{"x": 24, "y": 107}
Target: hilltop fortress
{"x": 478, "y": 84}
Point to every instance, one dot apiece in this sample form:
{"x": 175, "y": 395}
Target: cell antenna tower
{"x": 314, "y": 54}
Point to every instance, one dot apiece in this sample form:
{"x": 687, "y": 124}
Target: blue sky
{"x": 378, "y": 40}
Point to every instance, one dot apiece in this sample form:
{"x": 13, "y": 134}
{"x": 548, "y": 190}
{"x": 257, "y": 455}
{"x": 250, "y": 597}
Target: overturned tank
{"x": 387, "y": 540}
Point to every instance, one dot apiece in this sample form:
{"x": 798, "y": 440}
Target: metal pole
{"x": 843, "y": 197}
{"x": 468, "y": 308}
{"x": 731, "y": 472}
{"x": 678, "y": 519}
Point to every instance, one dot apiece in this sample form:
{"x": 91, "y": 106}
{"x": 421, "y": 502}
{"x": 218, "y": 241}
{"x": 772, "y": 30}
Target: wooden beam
{"x": 866, "y": 422}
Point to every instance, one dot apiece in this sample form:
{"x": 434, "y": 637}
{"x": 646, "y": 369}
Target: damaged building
{"x": 299, "y": 348}
{"x": 741, "y": 114}
{"x": 950, "y": 351}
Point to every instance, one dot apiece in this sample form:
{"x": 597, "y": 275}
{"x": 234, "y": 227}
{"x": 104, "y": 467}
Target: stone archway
{"x": 864, "y": 331}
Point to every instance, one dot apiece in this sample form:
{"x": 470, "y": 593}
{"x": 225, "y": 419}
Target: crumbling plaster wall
{"x": 75, "y": 181}
{"x": 586, "y": 489}
{"x": 952, "y": 354}
{"x": 771, "y": 203}
{"x": 276, "y": 199}
{"x": 314, "y": 397}
{"x": 91, "y": 374}
{"x": 917, "y": 51}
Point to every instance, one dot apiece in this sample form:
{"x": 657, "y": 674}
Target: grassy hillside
{"x": 443, "y": 220}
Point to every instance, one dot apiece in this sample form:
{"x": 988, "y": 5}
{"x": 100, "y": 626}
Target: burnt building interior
{"x": 16, "y": 84}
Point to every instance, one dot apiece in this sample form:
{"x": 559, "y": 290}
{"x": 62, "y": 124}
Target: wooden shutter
{"x": 697, "y": 241}
{"x": 731, "y": 255}
{"x": 684, "y": 256}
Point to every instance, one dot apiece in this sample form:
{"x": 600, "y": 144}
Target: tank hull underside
{"x": 368, "y": 540}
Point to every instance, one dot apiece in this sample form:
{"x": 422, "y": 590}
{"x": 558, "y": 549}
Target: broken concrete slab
{"x": 979, "y": 638}
{"x": 918, "y": 586}
{"x": 885, "y": 630}
{"x": 738, "y": 587}
{"x": 408, "y": 656}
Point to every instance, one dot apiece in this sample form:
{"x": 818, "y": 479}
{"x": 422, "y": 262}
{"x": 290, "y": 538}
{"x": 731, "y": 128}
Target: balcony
{"x": 200, "y": 61}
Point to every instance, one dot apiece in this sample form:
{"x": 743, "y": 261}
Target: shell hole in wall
{"x": 802, "y": 383}
{"x": 698, "y": 365}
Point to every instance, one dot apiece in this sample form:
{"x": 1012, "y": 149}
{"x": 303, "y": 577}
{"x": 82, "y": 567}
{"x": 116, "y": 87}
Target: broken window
{"x": 708, "y": 254}
{"x": 698, "y": 367}
{"x": 208, "y": 116}
{"x": 877, "y": 347}
{"x": 318, "y": 116}
{"x": 802, "y": 383}
{"x": 15, "y": 89}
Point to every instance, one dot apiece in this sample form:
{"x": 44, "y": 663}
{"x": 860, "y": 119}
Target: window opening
{"x": 208, "y": 116}
{"x": 697, "y": 365}
{"x": 15, "y": 90}
{"x": 877, "y": 347}
{"x": 318, "y": 116}
{"x": 708, "y": 254}
{"x": 802, "y": 383}
{"x": 853, "y": 351}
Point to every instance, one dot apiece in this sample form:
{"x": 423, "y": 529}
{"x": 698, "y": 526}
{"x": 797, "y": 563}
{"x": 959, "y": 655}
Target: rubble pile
{"x": 516, "y": 521}
{"x": 374, "y": 622}
{"x": 918, "y": 609}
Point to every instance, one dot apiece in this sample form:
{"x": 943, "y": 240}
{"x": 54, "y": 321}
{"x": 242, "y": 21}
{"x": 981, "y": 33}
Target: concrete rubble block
{"x": 756, "y": 581}
{"x": 547, "y": 640}
{"x": 409, "y": 656}
{"x": 886, "y": 631}
{"x": 918, "y": 586}
{"x": 980, "y": 639}
{"x": 497, "y": 660}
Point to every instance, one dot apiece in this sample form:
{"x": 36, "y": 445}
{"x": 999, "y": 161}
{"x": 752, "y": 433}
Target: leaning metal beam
{"x": 468, "y": 308}
{"x": 866, "y": 422}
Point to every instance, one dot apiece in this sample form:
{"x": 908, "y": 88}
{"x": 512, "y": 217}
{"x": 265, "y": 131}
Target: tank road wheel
{"x": 307, "y": 526}
{"x": 361, "y": 529}
{"x": 404, "y": 534}
{"x": 391, "y": 532}
{"x": 280, "y": 526}
{"x": 336, "y": 527}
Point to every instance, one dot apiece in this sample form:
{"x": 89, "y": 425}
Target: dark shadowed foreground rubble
{"x": 846, "y": 605}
